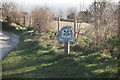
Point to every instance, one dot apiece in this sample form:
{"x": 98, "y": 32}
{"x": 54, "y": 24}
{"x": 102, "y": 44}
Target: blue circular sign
{"x": 66, "y": 34}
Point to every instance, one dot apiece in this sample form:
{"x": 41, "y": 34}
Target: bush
{"x": 7, "y": 27}
{"x": 115, "y": 41}
{"x": 76, "y": 48}
{"x": 112, "y": 45}
{"x": 42, "y": 19}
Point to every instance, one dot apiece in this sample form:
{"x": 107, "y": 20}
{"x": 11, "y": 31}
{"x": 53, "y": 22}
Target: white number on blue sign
{"x": 66, "y": 33}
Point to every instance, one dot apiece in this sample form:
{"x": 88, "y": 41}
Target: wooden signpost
{"x": 66, "y": 35}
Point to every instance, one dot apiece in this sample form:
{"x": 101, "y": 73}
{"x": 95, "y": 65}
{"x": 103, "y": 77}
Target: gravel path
{"x": 7, "y": 42}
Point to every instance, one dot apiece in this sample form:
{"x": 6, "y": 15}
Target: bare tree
{"x": 21, "y": 16}
{"x": 0, "y": 13}
{"x": 9, "y": 11}
{"x": 97, "y": 10}
{"x": 119, "y": 19}
{"x": 105, "y": 21}
{"x": 42, "y": 18}
{"x": 24, "y": 18}
{"x": 119, "y": 28}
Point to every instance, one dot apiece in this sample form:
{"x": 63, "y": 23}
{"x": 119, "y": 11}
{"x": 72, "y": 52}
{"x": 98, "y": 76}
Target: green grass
{"x": 30, "y": 59}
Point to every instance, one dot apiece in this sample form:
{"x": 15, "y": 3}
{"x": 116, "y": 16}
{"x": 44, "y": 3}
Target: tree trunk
{"x": 96, "y": 23}
{"x": 119, "y": 28}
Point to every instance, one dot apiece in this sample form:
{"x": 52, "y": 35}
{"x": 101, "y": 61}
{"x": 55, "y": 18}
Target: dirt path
{"x": 7, "y": 42}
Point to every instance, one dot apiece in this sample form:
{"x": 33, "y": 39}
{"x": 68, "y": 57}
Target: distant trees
{"x": 42, "y": 18}
{"x": 85, "y": 16}
{"x": 71, "y": 13}
{"x": 71, "y": 16}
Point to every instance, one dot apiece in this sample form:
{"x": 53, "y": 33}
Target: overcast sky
{"x": 55, "y": 4}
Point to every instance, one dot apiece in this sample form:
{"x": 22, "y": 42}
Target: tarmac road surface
{"x": 7, "y": 42}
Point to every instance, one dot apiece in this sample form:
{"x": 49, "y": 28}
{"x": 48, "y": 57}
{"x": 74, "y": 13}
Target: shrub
{"x": 76, "y": 48}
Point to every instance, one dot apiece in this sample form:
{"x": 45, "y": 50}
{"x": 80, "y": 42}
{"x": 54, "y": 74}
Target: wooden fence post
{"x": 58, "y": 24}
{"x": 75, "y": 26}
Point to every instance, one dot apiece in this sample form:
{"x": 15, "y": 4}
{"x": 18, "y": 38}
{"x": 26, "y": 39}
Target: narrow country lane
{"x": 7, "y": 42}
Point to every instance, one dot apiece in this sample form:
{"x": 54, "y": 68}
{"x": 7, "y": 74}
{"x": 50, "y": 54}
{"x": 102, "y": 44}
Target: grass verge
{"x": 30, "y": 59}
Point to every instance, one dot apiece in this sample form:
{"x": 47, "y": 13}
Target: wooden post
{"x": 75, "y": 26}
{"x": 58, "y": 24}
{"x": 24, "y": 20}
{"x": 96, "y": 23}
{"x": 78, "y": 31}
{"x": 66, "y": 48}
